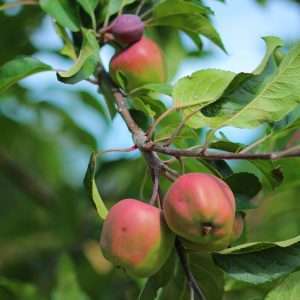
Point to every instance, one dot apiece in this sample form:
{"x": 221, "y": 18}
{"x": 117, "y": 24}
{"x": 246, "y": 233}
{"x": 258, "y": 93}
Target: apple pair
{"x": 199, "y": 208}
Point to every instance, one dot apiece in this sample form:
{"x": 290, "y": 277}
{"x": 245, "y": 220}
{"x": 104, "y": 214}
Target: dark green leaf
{"x": 245, "y": 186}
{"x": 260, "y": 262}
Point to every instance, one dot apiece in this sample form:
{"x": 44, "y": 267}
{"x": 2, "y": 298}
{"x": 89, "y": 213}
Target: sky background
{"x": 241, "y": 24}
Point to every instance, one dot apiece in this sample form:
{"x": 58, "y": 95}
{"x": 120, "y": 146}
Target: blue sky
{"x": 241, "y": 24}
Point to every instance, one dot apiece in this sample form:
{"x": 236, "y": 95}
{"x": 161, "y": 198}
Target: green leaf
{"x": 89, "y": 6}
{"x": 87, "y": 61}
{"x": 63, "y": 11}
{"x": 67, "y": 287}
{"x": 91, "y": 187}
{"x": 201, "y": 88}
{"x": 174, "y": 7}
{"x": 288, "y": 289}
{"x": 115, "y": 6}
{"x": 245, "y": 186}
{"x": 68, "y": 49}
{"x": 158, "y": 280}
{"x": 208, "y": 275}
{"x": 165, "y": 89}
{"x": 253, "y": 99}
{"x": 260, "y": 262}
{"x": 19, "y": 68}
{"x": 24, "y": 291}
{"x": 193, "y": 23}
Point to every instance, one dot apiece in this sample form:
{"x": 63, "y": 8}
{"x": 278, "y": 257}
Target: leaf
{"x": 174, "y": 7}
{"x": 115, "y": 6}
{"x": 288, "y": 289}
{"x": 201, "y": 88}
{"x": 208, "y": 275}
{"x": 158, "y": 280}
{"x": 245, "y": 186}
{"x": 63, "y": 11}
{"x": 253, "y": 99}
{"x": 260, "y": 262}
{"x": 24, "y": 291}
{"x": 89, "y": 6}
{"x": 87, "y": 61}
{"x": 192, "y": 23}
{"x": 19, "y": 68}
{"x": 68, "y": 48}
{"x": 67, "y": 287}
{"x": 165, "y": 89}
{"x": 91, "y": 187}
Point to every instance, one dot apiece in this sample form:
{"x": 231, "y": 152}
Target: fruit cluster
{"x": 199, "y": 208}
{"x": 139, "y": 61}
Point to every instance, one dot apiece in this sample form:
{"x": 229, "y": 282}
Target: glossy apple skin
{"x": 135, "y": 237}
{"x": 200, "y": 208}
{"x": 141, "y": 63}
{"x": 127, "y": 29}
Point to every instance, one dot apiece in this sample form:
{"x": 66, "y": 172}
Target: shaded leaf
{"x": 245, "y": 186}
{"x": 260, "y": 262}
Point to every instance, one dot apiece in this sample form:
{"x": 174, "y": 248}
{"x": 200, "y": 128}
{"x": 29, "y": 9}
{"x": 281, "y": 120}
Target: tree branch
{"x": 218, "y": 155}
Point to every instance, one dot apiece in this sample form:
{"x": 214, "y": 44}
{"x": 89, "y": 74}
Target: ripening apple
{"x": 200, "y": 208}
{"x": 126, "y": 29}
{"x": 141, "y": 63}
{"x": 135, "y": 237}
{"x": 238, "y": 227}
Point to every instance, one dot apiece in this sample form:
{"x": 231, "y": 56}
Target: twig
{"x": 180, "y": 127}
{"x": 140, "y": 6}
{"x": 158, "y": 120}
{"x": 129, "y": 149}
{"x": 192, "y": 282}
{"x": 214, "y": 155}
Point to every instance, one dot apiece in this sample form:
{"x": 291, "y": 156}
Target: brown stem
{"x": 214, "y": 155}
{"x": 192, "y": 282}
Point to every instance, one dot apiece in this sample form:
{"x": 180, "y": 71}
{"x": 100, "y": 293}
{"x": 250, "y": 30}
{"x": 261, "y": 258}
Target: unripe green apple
{"x": 135, "y": 237}
{"x": 200, "y": 208}
{"x": 126, "y": 29}
{"x": 140, "y": 64}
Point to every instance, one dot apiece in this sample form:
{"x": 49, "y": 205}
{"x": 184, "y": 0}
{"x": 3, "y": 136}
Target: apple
{"x": 135, "y": 237}
{"x": 141, "y": 63}
{"x": 200, "y": 208}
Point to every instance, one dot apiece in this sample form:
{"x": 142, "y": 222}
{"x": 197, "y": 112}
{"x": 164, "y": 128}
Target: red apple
{"x": 200, "y": 208}
{"x": 140, "y": 64}
{"x": 135, "y": 237}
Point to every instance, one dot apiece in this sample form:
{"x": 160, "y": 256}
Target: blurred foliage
{"x": 48, "y": 240}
